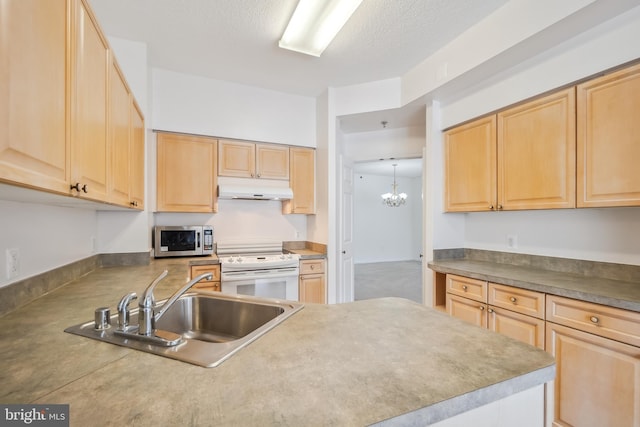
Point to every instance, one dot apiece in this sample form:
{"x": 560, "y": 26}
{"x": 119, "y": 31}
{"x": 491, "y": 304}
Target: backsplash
{"x": 625, "y": 272}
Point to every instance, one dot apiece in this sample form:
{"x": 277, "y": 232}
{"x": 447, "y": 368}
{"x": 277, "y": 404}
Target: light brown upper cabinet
{"x": 126, "y": 143}
{"x": 119, "y": 136}
{"x": 302, "y": 182}
{"x": 89, "y": 143}
{"x": 521, "y": 158}
{"x": 34, "y": 63}
{"x": 253, "y": 160}
{"x": 136, "y": 160}
{"x": 537, "y": 153}
{"x": 57, "y": 98}
{"x": 609, "y": 140}
{"x": 186, "y": 175}
{"x": 470, "y": 166}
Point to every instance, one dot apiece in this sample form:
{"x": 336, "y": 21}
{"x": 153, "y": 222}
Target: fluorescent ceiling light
{"x": 315, "y": 23}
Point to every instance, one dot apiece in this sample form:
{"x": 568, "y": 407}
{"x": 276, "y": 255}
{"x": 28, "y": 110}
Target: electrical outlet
{"x": 512, "y": 241}
{"x": 13, "y": 263}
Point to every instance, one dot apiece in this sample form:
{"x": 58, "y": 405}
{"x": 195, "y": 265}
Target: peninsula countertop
{"x": 342, "y": 364}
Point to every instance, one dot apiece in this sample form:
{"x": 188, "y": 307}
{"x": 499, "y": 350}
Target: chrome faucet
{"x": 147, "y": 314}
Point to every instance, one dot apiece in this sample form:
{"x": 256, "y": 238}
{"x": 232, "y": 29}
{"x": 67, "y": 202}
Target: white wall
{"x": 382, "y": 233}
{"x": 404, "y": 142}
{"x": 192, "y": 104}
{"x": 46, "y": 237}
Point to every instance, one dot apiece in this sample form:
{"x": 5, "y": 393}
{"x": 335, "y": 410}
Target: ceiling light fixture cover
{"x": 315, "y": 23}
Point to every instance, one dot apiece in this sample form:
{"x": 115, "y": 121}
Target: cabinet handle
{"x": 513, "y": 299}
{"x": 499, "y": 207}
{"x": 464, "y": 288}
{"x": 490, "y": 310}
{"x": 75, "y": 187}
{"x": 490, "y": 207}
{"x": 134, "y": 203}
{"x": 481, "y": 308}
{"x": 258, "y": 175}
{"x": 84, "y": 188}
{"x": 312, "y": 266}
{"x": 594, "y": 320}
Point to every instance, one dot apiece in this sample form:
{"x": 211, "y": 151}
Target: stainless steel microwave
{"x": 186, "y": 240}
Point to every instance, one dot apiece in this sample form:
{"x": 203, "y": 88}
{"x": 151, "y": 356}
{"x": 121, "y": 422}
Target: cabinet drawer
{"x": 466, "y": 287}
{"x": 519, "y": 300}
{"x": 197, "y": 270}
{"x": 312, "y": 266}
{"x": 615, "y": 323}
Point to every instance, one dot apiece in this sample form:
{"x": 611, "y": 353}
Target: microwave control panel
{"x": 208, "y": 239}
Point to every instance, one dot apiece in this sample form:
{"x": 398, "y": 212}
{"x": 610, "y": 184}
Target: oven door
{"x": 277, "y": 284}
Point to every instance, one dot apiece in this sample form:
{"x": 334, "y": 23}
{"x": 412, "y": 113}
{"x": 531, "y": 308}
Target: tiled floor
{"x": 389, "y": 279}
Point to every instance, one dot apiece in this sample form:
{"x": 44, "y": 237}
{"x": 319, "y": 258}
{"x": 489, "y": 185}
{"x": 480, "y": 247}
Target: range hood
{"x": 254, "y": 189}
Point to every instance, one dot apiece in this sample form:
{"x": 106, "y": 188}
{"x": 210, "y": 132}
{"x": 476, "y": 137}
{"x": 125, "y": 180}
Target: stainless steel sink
{"x": 213, "y": 326}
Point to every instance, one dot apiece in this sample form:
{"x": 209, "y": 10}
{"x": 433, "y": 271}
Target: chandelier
{"x": 393, "y": 200}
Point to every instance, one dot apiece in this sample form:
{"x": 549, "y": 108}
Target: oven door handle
{"x": 230, "y": 276}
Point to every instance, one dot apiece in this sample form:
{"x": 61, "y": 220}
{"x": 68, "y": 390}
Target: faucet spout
{"x": 147, "y": 315}
{"x": 173, "y": 298}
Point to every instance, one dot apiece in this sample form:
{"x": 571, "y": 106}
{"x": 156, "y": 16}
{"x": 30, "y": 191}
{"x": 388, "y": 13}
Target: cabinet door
{"x": 34, "y": 62}
{"x": 468, "y": 310}
{"x": 597, "y": 379}
{"x": 136, "y": 157}
{"x": 536, "y": 153}
{"x": 312, "y": 288}
{"x": 236, "y": 159}
{"x": 210, "y": 285}
{"x": 302, "y": 182}
{"x": 609, "y": 140}
{"x": 523, "y": 328}
{"x": 89, "y": 108}
{"x": 186, "y": 173}
{"x": 272, "y": 161}
{"x": 470, "y": 166}
{"x": 119, "y": 136}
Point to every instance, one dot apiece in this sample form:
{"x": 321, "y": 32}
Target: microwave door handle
{"x": 197, "y": 239}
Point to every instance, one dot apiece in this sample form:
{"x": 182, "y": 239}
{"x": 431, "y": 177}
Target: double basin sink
{"x": 212, "y": 326}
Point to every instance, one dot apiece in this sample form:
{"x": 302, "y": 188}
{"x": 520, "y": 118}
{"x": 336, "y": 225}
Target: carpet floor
{"x": 388, "y": 279}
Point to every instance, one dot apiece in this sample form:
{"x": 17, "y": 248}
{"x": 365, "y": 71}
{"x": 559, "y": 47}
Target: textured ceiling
{"x": 237, "y": 40}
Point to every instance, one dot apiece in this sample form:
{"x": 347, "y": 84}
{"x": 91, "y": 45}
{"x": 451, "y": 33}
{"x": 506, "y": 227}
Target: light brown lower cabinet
{"x": 208, "y": 285}
{"x": 312, "y": 283}
{"x": 514, "y": 312}
{"x": 597, "y": 367}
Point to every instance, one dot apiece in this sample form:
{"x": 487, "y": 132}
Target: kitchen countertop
{"x": 614, "y": 293}
{"x": 342, "y": 364}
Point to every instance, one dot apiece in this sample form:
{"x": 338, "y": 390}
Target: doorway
{"x": 387, "y": 241}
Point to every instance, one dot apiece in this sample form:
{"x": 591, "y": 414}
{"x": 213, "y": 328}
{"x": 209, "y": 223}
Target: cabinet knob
{"x": 490, "y": 207}
{"x": 464, "y": 288}
{"x": 481, "y": 308}
{"x": 513, "y": 299}
{"x": 312, "y": 266}
{"x": 76, "y": 187}
{"x": 258, "y": 175}
{"x": 594, "y": 320}
{"x": 499, "y": 207}
{"x": 490, "y": 310}
{"x": 84, "y": 188}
